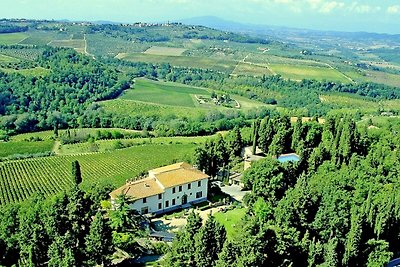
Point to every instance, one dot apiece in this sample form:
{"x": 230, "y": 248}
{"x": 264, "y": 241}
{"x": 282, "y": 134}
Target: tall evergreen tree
{"x": 76, "y": 172}
{"x": 297, "y": 134}
{"x": 256, "y": 125}
{"x": 99, "y": 241}
{"x": 209, "y": 243}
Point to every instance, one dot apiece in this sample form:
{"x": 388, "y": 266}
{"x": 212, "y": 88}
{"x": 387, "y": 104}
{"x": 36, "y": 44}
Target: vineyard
{"x": 21, "y": 179}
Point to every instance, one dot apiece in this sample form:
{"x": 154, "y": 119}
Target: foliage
{"x": 67, "y": 230}
{"x": 20, "y": 180}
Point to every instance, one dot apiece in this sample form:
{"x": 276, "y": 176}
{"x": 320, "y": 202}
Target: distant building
{"x": 166, "y": 188}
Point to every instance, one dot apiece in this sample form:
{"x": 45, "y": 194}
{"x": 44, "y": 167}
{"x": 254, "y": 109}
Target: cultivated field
{"x": 307, "y": 72}
{"x": 358, "y": 102}
{"x": 165, "y": 51}
{"x": 25, "y": 147}
{"x": 382, "y": 77}
{"x": 11, "y": 38}
{"x": 222, "y": 65}
{"x": 111, "y": 145}
{"x": 131, "y": 107}
{"x": 28, "y": 53}
{"x": 72, "y": 43}
{"x": 20, "y": 179}
{"x": 163, "y": 93}
{"x": 8, "y": 59}
{"x": 34, "y": 72}
{"x": 251, "y": 69}
{"x": 167, "y": 99}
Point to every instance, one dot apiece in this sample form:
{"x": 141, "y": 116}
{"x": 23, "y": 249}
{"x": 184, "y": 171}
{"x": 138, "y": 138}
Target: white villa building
{"x": 166, "y": 188}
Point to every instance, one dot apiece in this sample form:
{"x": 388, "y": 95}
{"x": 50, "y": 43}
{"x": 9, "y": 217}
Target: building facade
{"x": 166, "y": 188}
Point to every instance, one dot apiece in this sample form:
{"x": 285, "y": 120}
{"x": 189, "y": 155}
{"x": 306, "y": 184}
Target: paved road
{"x": 234, "y": 191}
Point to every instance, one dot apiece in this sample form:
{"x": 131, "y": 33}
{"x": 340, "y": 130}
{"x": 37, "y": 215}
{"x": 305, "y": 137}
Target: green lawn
{"x": 163, "y": 93}
{"x": 11, "y": 38}
{"x": 230, "y": 220}
{"x": 308, "y": 72}
{"x": 222, "y": 65}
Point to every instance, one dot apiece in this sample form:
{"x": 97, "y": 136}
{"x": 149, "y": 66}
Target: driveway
{"x": 234, "y": 191}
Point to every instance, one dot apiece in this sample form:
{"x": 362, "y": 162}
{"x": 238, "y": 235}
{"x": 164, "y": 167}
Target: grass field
{"x": 12, "y": 38}
{"x": 48, "y": 135}
{"x": 163, "y": 93}
{"x": 167, "y": 99}
{"x": 24, "y": 147}
{"x": 42, "y": 37}
{"x": 72, "y": 43}
{"x": 222, "y": 65}
{"x": 38, "y": 71}
{"x": 165, "y": 51}
{"x": 251, "y": 69}
{"x": 297, "y": 72}
{"x": 382, "y": 77}
{"x": 8, "y": 59}
{"x": 358, "y": 102}
{"x": 230, "y": 220}
{"x": 267, "y": 58}
{"x": 110, "y": 145}
{"x": 130, "y": 107}
{"x": 20, "y": 179}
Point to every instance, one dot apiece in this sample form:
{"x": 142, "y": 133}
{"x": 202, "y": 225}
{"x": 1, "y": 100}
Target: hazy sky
{"x": 344, "y": 15}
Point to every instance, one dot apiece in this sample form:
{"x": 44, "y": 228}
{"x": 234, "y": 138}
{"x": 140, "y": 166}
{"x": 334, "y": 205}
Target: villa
{"x": 166, "y": 188}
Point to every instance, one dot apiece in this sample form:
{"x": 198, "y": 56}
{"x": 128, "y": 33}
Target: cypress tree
{"x": 76, "y": 172}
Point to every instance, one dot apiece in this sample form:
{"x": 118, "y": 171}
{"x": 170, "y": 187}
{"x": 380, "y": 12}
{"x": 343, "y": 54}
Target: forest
{"x": 69, "y": 229}
{"x": 337, "y": 206}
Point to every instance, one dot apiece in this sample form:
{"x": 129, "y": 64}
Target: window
{"x": 167, "y": 204}
{"x": 159, "y": 206}
{"x": 173, "y": 202}
{"x": 173, "y": 190}
{"x": 180, "y": 188}
{"x": 189, "y": 186}
{"x": 145, "y": 210}
{"x": 199, "y": 183}
{"x": 199, "y": 194}
{"x": 144, "y": 200}
{"x": 159, "y": 196}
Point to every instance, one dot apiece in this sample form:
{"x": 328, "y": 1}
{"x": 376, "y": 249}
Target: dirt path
{"x": 347, "y": 77}
{"x": 86, "y": 52}
{"x": 251, "y": 64}
{"x": 55, "y": 147}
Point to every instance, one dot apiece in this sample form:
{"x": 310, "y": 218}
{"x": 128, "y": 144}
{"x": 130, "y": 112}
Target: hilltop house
{"x": 166, "y": 188}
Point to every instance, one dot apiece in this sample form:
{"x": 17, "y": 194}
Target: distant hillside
{"x": 284, "y": 33}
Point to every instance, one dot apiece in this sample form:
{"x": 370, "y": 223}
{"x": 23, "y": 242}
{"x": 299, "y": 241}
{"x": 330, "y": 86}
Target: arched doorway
{"x": 184, "y": 199}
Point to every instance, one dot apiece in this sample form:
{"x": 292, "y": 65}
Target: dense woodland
{"x": 337, "y": 206}
{"x": 70, "y": 229}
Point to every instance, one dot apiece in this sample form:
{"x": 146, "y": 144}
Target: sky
{"x": 382, "y": 16}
